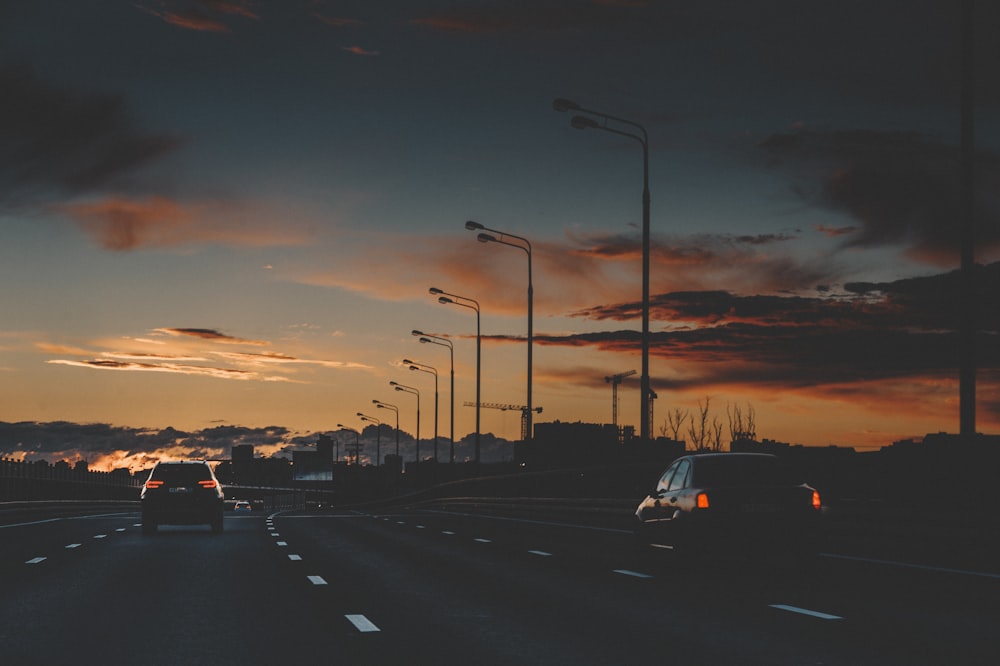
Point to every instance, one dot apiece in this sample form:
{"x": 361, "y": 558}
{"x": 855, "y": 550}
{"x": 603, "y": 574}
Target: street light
{"x": 385, "y": 405}
{"x": 584, "y": 122}
{"x": 423, "y": 367}
{"x": 444, "y": 342}
{"x": 416, "y": 392}
{"x": 502, "y": 239}
{"x": 357, "y": 443}
{"x": 453, "y": 299}
{"x": 378, "y": 435}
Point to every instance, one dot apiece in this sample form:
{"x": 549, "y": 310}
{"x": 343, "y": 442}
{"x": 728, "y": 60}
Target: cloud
{"x": 357, "y": 50}
{"x": 903, "y": 187}
{"x": 870, "y": 331}
{"x": 124, "y": 224}
{"x": 210, "y": 335}
{"x": 545, "y": 16}
{"x": 201, "y": 15}
{"x": 193, "y": 352}
{"x": 70, "y": 142}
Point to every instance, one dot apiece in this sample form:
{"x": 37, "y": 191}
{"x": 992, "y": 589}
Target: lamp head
{"x": 444, "y": 300}
{"x": 435, "y": 290}
{"x": 413, "y": 367}
{"x": 473, "y": 226}
{"x": 425, "y": 340}
{"x": 562, "y": 105}
{"x": 583, "y": 122}
{"x": 407, "y": 361}
{"x": 392, "y": 383}
{"x": 486, "y": 238}
{"x": 415, "y": 332}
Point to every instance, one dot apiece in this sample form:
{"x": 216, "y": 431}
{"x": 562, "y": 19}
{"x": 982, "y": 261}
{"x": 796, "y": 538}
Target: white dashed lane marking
{"x": 36, "y": 560}
{"x": 362, "y": 623}
{"x": 295, "y": 558}
{"x": 483, "y": 540}
{"x": 540, "y": 553}
{"x": 633, "y": 574}
{"x": 73, "y": 545}
{"x": 806, "y": 611}
{"x": 317, "y": 580}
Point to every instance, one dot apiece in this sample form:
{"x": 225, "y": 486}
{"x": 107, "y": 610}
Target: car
{"x": 242, "y": 506}
{"x": 724, "y": 504}
{"x": 181, "y": 493}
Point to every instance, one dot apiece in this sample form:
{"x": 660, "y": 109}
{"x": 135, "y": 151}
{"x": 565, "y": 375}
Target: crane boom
{"x": 510, "y": 408}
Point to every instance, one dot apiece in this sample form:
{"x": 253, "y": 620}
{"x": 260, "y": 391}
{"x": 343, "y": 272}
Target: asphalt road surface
{"x": 450, "y": 587}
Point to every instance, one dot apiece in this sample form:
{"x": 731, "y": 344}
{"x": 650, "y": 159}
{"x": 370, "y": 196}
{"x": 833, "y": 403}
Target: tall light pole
{"x": 357, "y": 443}
{"x": 378, "y": 435}
{"x": 416, "y": 392}
{"x": 453, "y": 299}
{"x": 385, "y": 405}
{"x": 423, "y": 367}
{"x": 444, "y": 342}
{"x": 501, "y": 238}
{"x": 585, "y": 122}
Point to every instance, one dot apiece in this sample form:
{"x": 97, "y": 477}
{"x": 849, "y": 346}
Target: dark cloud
{"x": 868, "y": 331}
{"x": 201, "y": 15}
{"x": 210, "y": 335}
{"x": 57, "y": 139}
{"x": 903, "y": 187}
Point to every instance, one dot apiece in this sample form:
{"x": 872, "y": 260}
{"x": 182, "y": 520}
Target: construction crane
{"x": 615, "y": 380}
{"x": 510, "y": 408}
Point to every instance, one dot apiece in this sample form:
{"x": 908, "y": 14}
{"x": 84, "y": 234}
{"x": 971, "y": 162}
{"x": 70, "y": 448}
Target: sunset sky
{"x": 229, "y": 213}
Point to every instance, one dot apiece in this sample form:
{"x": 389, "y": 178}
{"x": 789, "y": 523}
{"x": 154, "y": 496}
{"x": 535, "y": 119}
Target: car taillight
{"x": 153, "y": 484}
{"x": 207, "y": 484}
{"x": 702, "y": 501}
{"x": 816, "y": 502}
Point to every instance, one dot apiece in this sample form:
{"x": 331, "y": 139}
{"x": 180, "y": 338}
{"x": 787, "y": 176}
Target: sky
{"x": 224, "y": 216}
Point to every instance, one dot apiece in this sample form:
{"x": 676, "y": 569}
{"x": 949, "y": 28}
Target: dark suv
{"x": 181, "y": 493}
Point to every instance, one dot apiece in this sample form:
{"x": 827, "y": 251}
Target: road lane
{"x": 441, "y": 588}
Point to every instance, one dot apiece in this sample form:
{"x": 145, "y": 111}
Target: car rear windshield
{"x": 726, "y": 471}
{"x": 181, "y": 473}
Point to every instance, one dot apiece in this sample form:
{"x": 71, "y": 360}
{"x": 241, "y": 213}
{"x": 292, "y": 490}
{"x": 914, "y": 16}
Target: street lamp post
{"x": 416, "y": 392}
{"x": 423, "y": 367}
{"x": 378, "y": 435}
{"x": 453, "y": 299}
{"x": 385, "y": 405}
{"x": 444, "y": 342}
{"x": 357, "y": 443}
{"x": 502, "y": 239}
{"x": 584, "y": 122}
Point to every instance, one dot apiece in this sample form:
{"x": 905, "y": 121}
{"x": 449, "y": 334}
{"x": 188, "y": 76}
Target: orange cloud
{"x": 122, "y": 224}
{"x": 210, "y": 335}
{"x": 203, "y": 15}
{"x": 357, "y": 50}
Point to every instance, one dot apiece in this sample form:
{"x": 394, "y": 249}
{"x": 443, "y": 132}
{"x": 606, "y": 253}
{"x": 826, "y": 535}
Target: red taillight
{"x": 207, "y": 484}
{"x": 816, "y": 502}
{"x": 153, "y": 484}
{"x": 702, "y": 501}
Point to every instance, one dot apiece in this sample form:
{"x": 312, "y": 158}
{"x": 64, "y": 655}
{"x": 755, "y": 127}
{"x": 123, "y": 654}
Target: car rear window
{"x": 181, "y": 473}
{"x": 726, "y": 471}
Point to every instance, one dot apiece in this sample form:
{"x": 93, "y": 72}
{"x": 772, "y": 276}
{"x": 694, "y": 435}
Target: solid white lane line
{"x": 540, "y": 553}
{"x": 36, "y": 560}
{"x": 73, "y": 545}
{"x": 907, "y": 565}
{"x": 362, "y": 623}
{"x": 316, "y": 580}
{"x": 295, "y": 558}
{"x": 483, "y": 540}
{"x": 633, "y": 574}
{"x": 806, "y": 611}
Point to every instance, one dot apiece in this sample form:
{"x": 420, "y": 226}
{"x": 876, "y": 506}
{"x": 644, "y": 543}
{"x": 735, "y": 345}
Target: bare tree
{"x": 742, "y": 425}
{"x": 716, "y": 434}
{"x": 675, "y": 421}
{"x": 698, "y": 428}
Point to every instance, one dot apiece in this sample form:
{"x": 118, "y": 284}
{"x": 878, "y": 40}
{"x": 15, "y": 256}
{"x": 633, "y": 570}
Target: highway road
{"x": 448, "y": 586}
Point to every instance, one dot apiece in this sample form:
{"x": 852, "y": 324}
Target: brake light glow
{"x": 208, "y": 483}
{"x": 816, "y": 502}
{"x": 153, "y": 484}
{"x": 702, "y": 501}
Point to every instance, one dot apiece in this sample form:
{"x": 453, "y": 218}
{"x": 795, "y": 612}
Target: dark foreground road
{"x": 447, "y": 587}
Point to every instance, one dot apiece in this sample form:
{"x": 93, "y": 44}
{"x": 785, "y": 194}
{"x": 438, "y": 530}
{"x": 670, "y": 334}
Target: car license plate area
{"x": 180, "y": 489}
